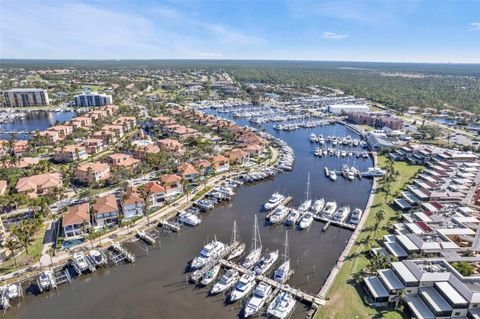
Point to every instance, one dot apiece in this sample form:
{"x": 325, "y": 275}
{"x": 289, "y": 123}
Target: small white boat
{"x": 97, "y": 257}
{"x": 350, "y": 175}
{"x": 189, "y": 219}
{"x": 333, "y": 175}
{"x": 46, "y": 280}
{"x": 356, "y": 216}
{"x": 266, "y": 262}
{"x": 237, "y": 252}
{"x": 252, "y": 257}
{"x": 306, "y": 220}
{"x": 80, "y": 263}
{"x": 210, "y": 251}
{"x": 329, "y": 210}
{"x": 327, "y": 172}
{"x": 274, "y": 201}
{"x": 313, "y": 138}
{"x": 278, "y": 214}
{"x": 373, "y": 172}
{"x": 341, "y": 214}
{"x": 282, "y": 273}
{"x": 318, "y": 205}
{"x": 282, "y": 306}
{"x": 305, "y": 205}
{"x": 243, "y": 287}
{"x": 13, "y": 291}
{"x": 260, "y": 295}
{"x": 292, "y": 217}
{"x": 210, "y": 275}
{"x": 225, "y": 282}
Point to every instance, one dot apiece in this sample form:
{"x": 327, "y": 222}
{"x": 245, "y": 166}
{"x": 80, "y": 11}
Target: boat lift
{"x": 119, "y": 253}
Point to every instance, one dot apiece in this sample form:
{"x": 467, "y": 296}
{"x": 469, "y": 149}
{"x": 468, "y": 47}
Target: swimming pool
{"x": 71, "y": 243}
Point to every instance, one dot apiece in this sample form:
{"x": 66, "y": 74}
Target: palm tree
{"x": 399, "y": 295}
{"x": 51, "y": 253}
{"x": 12, "y": 244}
{"x": 378, "y": 218}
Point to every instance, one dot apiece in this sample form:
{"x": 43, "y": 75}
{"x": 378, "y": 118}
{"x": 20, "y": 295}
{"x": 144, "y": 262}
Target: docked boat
{"x": 243, "y": 287}
{"x": 356, "y": 216}
{"x": 305, "y": 205}
{"x": 282, "y": 306}
{"x": 333, "y": 175}
{"x": 98, "y": 258}
{"x": 211, "y": 250}
{"x": 13, "y": 291}
{"x": 292, "y": 217}
{"x": 327, "y": 172}
{"x": 80, "y": 263}
{"x": 266, "y": 262}
{"x": 306, "y": 220}
{"x": 225, "y": 282}
{"x": 329, "y": 210}
{"x": 210, "y": 275}
{"x": 373, "y": 172}
{"x": 188, "y": 219}
{"x": 46, "y": 280}
{"x": 318, "y": 206}
{"x": 341, "y": 214}
{"x": 274, "y": 201}
{"x": 282, "y": 273}
{"x": 256, "y": 252}
{"x": 313, "y": 138}
{"x": 279, "y": 214}
{"x": 240, "y": 248}
{"x": 260, "y": 295}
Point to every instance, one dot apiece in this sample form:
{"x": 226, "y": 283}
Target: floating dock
{"x": 175, "y": 227}
{"x": 333, "y": 222}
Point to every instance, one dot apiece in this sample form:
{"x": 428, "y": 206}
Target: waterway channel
{"x": 155, "y": 286}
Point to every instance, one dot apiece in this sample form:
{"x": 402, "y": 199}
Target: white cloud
{"x": 333, "y": 36}
{"x": 475, "y": 26}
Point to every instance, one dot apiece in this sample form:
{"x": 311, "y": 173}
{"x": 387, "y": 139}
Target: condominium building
{"x": 92, "y": 99}
{"x": 26, "y": 97}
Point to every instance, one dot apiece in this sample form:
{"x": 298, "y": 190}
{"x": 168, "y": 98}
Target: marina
{"x": 157, "y": 281}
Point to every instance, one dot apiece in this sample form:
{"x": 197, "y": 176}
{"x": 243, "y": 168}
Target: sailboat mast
{"x": 285, "y": 254}
{"x": 308, "y": 187}
{"x": 255, "y": 233}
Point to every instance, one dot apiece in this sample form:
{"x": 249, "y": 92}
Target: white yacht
{"x": 333, "y": 175}
{"x": 210, "y": 275}
{"x": 282, "y": 306}
{"x": 80, "y": 263}
{"x": 306, "y": 220}
{"x": 341, "y": 214}
{"x": 329, "y": 209}
{"x": 13, "y": 291}
{"x": 373, "y": 172}
{"x": 260, "y": 295}
{"x": 240, "y": 249}
{"x": 321, "y": 140}
{"x": 356, "y": 216}
{"x": 327, "y": 172}
{"x": 256, "y": 252}
{"x": 225, "y": 282}
{"x": 188, "y": 219}
{"x": 278, "y": 214}
{"x": 318, "y": 205}
{"x": 350, "y": 175}
{"x": 243, "y": 287}
{"x": 305, "y": 205}
{"x": 98, "y": 258}
{"x": 46, "y": 280}
{"x": 266, "y": 262}
{"x": 313, "y": 138}
{"x": 282, "y": 273}
{"x": 274, "y": 201}
{"x": 210, "y": 251}
{"x": 292, "y": 217}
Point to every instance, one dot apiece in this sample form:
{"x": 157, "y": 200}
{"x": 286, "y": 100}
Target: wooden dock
{"x": 284, "y": 202}
{"x": 333, "y": 222}
{"x": 169, "y": 226}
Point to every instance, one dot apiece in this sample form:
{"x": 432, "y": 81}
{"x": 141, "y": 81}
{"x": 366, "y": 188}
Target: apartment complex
{"x": 92, "y": 99}
{"x": 26, "y": 97}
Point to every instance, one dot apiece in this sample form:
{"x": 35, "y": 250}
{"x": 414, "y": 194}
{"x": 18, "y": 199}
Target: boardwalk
{"x": 336, "y": 223}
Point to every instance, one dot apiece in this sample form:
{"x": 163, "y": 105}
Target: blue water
{"x": 72, "y": 243}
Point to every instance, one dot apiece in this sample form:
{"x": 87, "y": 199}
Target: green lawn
{"x": 344, "y": 300}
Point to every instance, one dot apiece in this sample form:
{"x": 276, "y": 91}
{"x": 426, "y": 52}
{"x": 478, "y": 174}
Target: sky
{"x": 368, "y": 30}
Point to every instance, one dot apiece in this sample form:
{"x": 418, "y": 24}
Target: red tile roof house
{"x": 97, "y": 114}
{"x": 62, "y": 130}
{"x": 20, "y": 147}
{"x": 70, "y": 153}
{"x": 142, "y": 150}
{"x": 172, "y": 183}
{"x": 123, "y": 160}
{"x": 22, "y": 162}
{"x": 128, "y": 122}
{"x": 132, "y": 205}
{"x": 110, "y": 110}
{"x": 220, "y": 163}
{"x": 76, "y": 221}
{"x": 51, "y": 136}
{"x": 188, "y": 172}
{"x": 254, "y": 149}
{"x": 203, "y": 166}
{"x": 81, "y": 122}
{"x": 105, "y": 136}
{"x": 156, "y": 193}
{"x": 183, "y": 132}
{"x": 171, "y": 145}
{"x": 93, "y": 172}
{"x": 116, "y": 129}
{"x": 238, "y": 156}
{"x": 93, "y": 145}
{"x": 3, "y": 187}
{"x": 105, "y": 210}
{"x": 41, "y": 184}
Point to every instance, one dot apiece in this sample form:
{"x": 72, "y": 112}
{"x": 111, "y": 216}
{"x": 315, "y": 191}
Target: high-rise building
{"x": 26, "y": 97}
{"x": 92, "y": 99}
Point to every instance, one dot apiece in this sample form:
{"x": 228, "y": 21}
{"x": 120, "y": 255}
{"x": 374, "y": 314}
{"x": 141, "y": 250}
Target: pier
{"x": 333, "y": 222}
{"x": 118, "y": 254}
{"x": 169, "y": 226}
{"x": 284, "y": 202}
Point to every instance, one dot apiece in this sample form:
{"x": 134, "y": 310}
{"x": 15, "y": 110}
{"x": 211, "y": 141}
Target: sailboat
{"x": 256, "y": 252}
{"x": 308, "y": 202}
{"x": 283, "y": 272}
{"x": 238, "y": 251}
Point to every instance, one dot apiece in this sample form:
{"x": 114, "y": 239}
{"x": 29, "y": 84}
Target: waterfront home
{"x": 81, "y": 122}
{"x": 220, "y": 163}
{"x": 70, "y": 153}
{"x": 20, "y": 147}
{"x": 93, "y": 145}
{"x": 203, "y": 166}
{"x": 254, "y": 149}
{"x": 171, "y": 145}
{"x": 38, "y": 185}
{"x": 51, "y": 136}
{"x": 123, "y": 160}
{"x": 156, "y": 192}
{"x": 62, "y": 130}
{"x": 3, "y": 187}
{"x": 92, "y": 172}
{"x": 188, "y": 172}
{"x": 172, "y": 184}
{"x": 105, "y": 211}
{"x": 132, "y": 205}
{"x": 22, "y": 162}
{"x": 183, "y": 132}
{"x": 238, "y": 156}
{"x": 76, "y": 220}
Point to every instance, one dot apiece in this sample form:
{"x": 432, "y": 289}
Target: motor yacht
{"x": 341, "y": 214}
{"x": 292, "y": 217}
{"x": 306, "y": 220}
{"x": 356, "y": 216}
{"x": 189, "y": 219}
{"x": 13, "y": 291}
{"x": 243, "y": 287}
{"x": 266, "y": 262}
{"x": 373, "y": 172}
{"x": 260, "y": 295}
{"x": 282, "y": 306}
{"x": 210, "y": 275}
{"x": 278, "y": 214}
{"x": 313, "y": 138}
{"x": 225, "y": 282}
{"x": 274, "y": 201}
{"x": 99, "y": 259}
{"x": 46, "y": 280}
{"x": 333, "y": 175}
{"x": 329, "y": 210}
{"x": 211, "y": 250}
{"x": 318, "y": 205}
{"x": 305, "y": 205}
